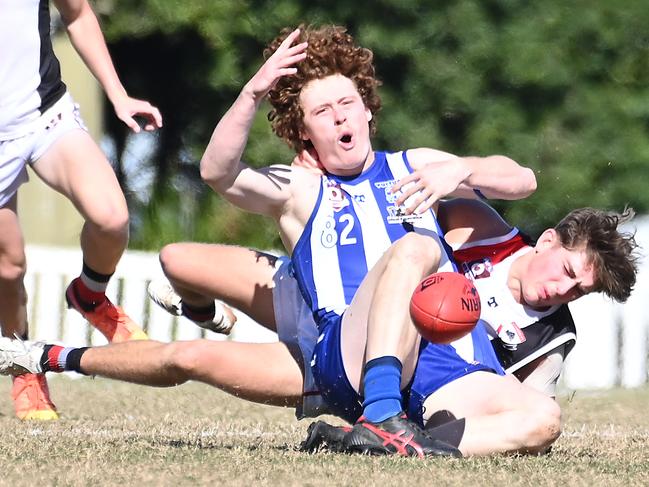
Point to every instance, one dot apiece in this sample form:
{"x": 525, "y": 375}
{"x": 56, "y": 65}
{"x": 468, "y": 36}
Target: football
{"x": 444, "y": 307}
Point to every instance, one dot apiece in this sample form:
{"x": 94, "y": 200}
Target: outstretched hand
{"x": 126, "y": 108}
{"x": 279, "y": 64}
{"x": 424, "y": 187}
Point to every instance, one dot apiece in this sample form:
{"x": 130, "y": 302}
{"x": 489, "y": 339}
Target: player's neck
{"x": 517, "y": 269}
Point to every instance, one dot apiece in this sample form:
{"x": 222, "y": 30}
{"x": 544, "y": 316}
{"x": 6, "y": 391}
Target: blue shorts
{"x": 329, "y": 372}
{"x": 437, "y": 366}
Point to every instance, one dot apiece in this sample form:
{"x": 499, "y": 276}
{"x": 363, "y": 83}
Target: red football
{"x": 444, "y": 307}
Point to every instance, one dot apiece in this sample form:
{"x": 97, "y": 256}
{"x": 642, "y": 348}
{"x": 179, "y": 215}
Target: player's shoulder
{"x": 467, "y": 220}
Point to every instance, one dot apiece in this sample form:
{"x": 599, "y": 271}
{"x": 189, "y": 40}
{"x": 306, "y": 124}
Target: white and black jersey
{"x": 519, "y": 334}
{"x": 30, "y": 75}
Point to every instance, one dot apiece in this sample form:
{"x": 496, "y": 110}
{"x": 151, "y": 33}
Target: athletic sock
{"x": 199, "y": 313}
{"x": 61, "y": 359}
{"x": 382, "y": 388}
{"x": 90, "y": 287}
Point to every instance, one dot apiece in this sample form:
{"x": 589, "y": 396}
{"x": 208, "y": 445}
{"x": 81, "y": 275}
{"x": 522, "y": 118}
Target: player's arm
{"x": 262, "y": 191}
{"x": 86, "y": 37}
{"x": 438, "y": 174}
{"x": 468, "y": 220}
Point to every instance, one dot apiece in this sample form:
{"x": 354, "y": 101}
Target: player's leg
{"x": 74, "y": 165}
{"x": 377, "y": 322}
{"x": 378, "y": 349}
{"x": 201, "y": 273}
{"x": 29, "y": 392}
{"x": 13, "y": 298}
{"x": 501, "y": 414}
{"x": 543, "y": 373}
{"x": 258, "y": 372}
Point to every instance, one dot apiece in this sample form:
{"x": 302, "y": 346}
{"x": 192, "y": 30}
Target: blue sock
{"x": 382, "y": 388}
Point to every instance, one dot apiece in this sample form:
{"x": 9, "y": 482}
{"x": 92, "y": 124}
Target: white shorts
{"x": 296, "y": 328}
{"x": 15, "y": 154}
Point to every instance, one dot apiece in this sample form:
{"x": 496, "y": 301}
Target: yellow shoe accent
{"x": 31, "y": 398}
{"x": 44, "y": 415}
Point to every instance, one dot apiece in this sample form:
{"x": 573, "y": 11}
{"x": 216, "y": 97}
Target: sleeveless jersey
{"x": 518, "y": 333}
{"x": 30, "y": 75}
{"x": 354, "y": 221}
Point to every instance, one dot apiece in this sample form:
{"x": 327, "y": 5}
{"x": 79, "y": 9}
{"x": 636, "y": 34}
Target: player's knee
{"x": 417, "y": 251}
{"x": 545, "y": 420}
{"x": 13, "y": 267}
{"x": 181, "y": 359}
{"x": 171, "y": 258}
{"x": 112, "y": 222}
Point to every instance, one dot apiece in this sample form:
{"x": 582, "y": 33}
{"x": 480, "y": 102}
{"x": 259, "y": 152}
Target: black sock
{"x": 199, "y": 313}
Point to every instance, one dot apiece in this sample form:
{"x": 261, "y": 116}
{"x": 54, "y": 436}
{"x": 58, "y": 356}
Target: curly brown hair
{"x": 331, "y": 51}
{"x": 611, "y": 252}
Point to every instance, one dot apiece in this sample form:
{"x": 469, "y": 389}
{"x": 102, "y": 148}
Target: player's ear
{"x": 548, "y": 238}
{"x": 368, "y": 114}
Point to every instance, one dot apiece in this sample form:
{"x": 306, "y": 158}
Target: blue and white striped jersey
{"x": 354, "y": 221}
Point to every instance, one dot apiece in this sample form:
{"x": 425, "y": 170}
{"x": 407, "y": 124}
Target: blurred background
{"x": 558, "y": 86}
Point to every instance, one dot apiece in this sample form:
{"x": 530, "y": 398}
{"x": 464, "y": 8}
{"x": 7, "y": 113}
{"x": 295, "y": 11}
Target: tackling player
{"x": 268, "y": 373}
{"x": 323, "y": 91}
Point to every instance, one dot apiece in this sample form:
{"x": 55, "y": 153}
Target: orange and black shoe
{"x": 396, "y": 435}
{"x": 109, "y": 319}
{"x": 324, "y": 436}
{"x": 31, "y": 398}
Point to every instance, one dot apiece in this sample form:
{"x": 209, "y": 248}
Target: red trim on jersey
{"x": 495, "y": 252}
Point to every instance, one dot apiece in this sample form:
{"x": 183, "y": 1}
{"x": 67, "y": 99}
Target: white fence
{"x": 612, "y": 345}
{"x": 50, "y": 270}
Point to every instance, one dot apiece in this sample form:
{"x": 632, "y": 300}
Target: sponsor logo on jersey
{"x": 477, "y": 269}
{"x": 510, "y": 335}
{"x": 336, "y": 196}
{"x": 396, "y": 214}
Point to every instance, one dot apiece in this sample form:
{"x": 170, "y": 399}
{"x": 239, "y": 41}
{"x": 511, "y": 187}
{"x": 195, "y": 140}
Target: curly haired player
{"x": 322, "y": 84}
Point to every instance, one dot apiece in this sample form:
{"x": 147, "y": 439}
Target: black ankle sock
{"x": 73, "y": 361}
{"x": 199, "y": 313}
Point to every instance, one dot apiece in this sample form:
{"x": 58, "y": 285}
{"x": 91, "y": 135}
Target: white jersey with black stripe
{"x": 518, "y": 332}
{"x": 30, "y": 75}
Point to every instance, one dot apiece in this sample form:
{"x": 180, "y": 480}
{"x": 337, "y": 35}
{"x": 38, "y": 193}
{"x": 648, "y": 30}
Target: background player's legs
{"x": 29, "y": 392}
{"x": 258, "y": 372}
{"x": 502, "y": 415}
{"x": 13, "y": 298}
{"x": 243, "y": 278}
{"x": 76, "y": 167}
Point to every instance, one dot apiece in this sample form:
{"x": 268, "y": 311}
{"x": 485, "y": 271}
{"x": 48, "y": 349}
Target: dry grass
{"x": 119, "y": 434}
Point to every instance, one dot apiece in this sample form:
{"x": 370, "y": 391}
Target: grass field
{"x": 119, "y": 434}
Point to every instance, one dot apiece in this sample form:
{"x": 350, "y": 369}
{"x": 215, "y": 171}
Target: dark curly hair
{"x": 611, "y": 252}
{"x": 331, "y": 51}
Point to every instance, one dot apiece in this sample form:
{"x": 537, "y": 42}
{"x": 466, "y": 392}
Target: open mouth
{"x": 346, "y": 141}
